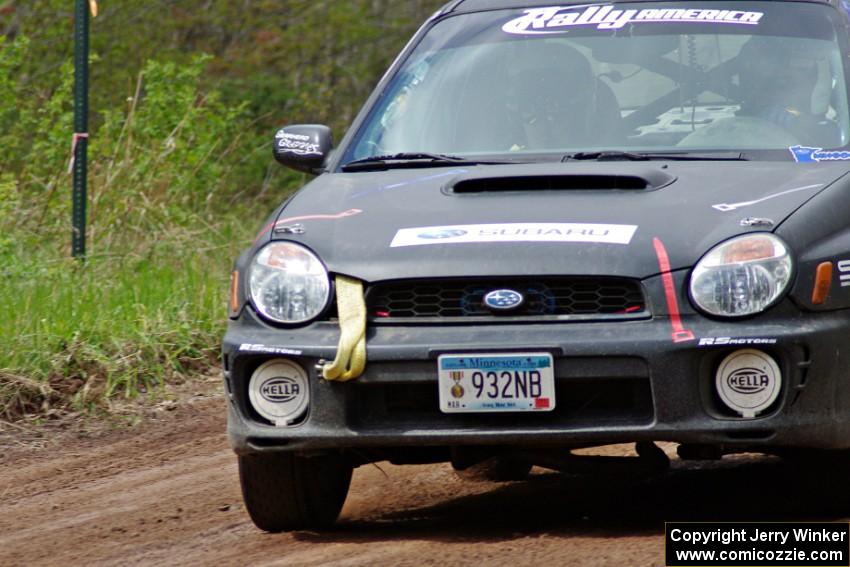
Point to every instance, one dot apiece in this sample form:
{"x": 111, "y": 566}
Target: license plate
{"x": 492, "y": 383}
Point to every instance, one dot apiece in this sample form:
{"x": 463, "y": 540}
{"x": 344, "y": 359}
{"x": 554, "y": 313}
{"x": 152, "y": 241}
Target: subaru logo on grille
{"x": 503, "y": 299}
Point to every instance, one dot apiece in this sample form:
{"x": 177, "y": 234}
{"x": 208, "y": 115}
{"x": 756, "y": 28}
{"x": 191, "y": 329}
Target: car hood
{"x": 541, "y": 219}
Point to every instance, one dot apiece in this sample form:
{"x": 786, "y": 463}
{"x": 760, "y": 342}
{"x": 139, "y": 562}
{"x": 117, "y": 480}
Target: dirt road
{"x": 166, "y": 493}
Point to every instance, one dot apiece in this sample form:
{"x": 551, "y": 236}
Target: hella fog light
{"x": 742, "y": 276}
{"x": 288, "y": 283}
{"x": 279, "y": 391}
{"x": 748, "y": 382}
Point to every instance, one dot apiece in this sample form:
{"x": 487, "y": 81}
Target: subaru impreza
{"x": 555, "y": 227}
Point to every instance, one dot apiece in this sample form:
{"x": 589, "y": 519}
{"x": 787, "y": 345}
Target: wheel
{"x": 816, "y": 459}
{"x": 823, "y": 473}
{"x": 497, "y": 469}
{"x": 284, "y": 492}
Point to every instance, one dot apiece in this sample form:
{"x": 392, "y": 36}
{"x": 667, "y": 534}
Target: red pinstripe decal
{"x": 680, "y": 334}
{"x": 342, "y": 215}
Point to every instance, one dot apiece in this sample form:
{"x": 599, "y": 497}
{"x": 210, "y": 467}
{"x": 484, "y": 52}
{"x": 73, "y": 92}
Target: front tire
{"x": 284, "y": 492}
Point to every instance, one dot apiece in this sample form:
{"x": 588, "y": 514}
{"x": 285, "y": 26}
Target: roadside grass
{"x": 78, "y": 334}
{"x": 179, "y": 180}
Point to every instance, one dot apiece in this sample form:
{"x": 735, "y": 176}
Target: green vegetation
{"x": 184, "y": 104}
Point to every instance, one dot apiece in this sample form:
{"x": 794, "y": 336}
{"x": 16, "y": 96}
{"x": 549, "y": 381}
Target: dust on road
{"x": 167, "y": 492}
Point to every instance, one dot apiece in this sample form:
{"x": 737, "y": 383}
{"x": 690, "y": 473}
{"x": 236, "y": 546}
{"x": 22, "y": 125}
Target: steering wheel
{"x": 745, "y": 132}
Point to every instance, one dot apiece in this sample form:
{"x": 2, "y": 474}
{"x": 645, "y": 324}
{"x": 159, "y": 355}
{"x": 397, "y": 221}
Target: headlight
{"x": 288, "y": 283}
{"x": 742, "y": 276}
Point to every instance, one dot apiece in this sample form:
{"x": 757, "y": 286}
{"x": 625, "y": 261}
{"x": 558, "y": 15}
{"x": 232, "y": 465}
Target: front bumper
{"x": 616, "y": 382}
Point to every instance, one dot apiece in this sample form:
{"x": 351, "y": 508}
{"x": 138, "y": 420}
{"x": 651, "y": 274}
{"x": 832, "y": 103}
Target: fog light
{"x": 279, "y": 391}
{"x": 748, "y": 381}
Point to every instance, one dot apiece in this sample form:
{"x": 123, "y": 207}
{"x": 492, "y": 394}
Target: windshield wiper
{"x": 617, "y": 155}
{"x": 410, "y": 160}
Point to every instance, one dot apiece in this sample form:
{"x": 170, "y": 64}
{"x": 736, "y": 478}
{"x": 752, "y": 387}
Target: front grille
{"x": 578, "y": 403}
{"x": 546, "y": 297}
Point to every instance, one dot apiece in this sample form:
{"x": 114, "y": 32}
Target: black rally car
{"x": 551, "y": 227}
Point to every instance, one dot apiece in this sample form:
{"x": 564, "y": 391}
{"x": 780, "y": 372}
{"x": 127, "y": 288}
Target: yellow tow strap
{"x": 351, "y": 354}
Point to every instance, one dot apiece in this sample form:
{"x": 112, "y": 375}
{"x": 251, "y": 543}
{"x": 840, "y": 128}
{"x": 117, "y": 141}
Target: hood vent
{"x": 575, "y": 182}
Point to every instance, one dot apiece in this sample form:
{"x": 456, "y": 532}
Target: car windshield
{"x": 635, "y": 77}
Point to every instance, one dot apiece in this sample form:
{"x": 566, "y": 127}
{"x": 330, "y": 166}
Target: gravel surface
{"x": 166, "y": 493}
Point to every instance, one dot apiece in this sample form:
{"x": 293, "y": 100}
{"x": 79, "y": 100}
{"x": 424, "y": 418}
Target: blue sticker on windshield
{"x": 559, "y": 19}
{"x": 803, "y": 154}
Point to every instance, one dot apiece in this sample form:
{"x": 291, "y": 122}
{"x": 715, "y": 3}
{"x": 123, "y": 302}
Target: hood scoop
{"x": 648, "y": 180}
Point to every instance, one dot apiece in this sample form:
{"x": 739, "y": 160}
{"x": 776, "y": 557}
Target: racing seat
{"x": 492, "y": 107}
{"x": 474, "y": 113}
{"x": 561, "y": 104}
{"x": 608, "y": 129}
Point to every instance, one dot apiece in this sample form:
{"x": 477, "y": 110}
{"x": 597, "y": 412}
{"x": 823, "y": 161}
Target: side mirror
{"x": 304, "y": 147}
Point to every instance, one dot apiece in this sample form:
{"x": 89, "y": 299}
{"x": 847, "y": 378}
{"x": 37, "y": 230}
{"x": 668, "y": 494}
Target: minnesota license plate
{"x": 482, "y": 383}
